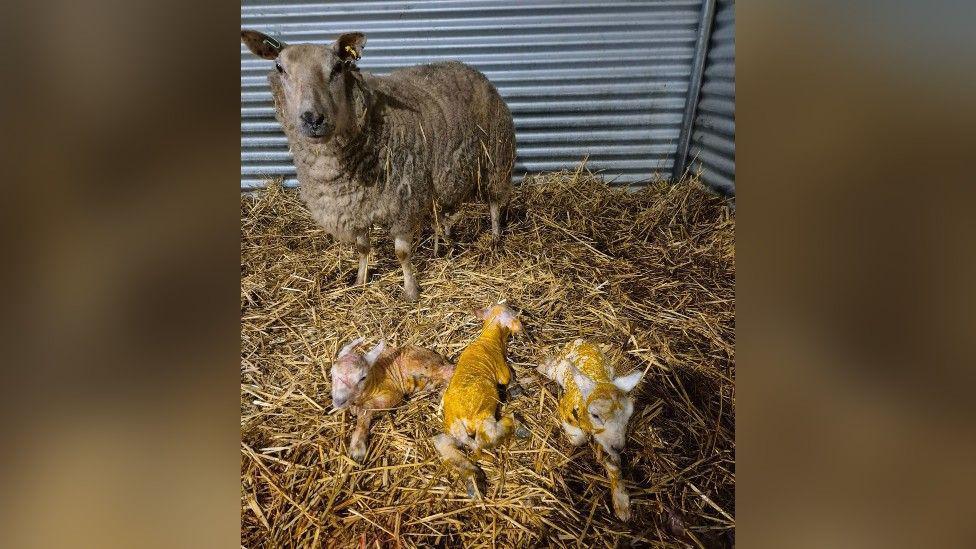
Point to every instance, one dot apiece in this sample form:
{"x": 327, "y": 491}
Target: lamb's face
{"x": 349, "y": 373}
{"x": 501, "y": 315}
{"x": 351, "y": 370}
{"x": 323, "y": 90}
{"x": 609, "y": 407}
{"x": 609, "y": 416}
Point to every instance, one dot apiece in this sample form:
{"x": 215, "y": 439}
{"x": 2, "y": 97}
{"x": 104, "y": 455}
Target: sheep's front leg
{"x": 618, "y": 492}
{"x": 474, "y": 478}
{"x": 357, "y": 442}
{"x": 362, "y": 247}
{"x": 403, "y": 246}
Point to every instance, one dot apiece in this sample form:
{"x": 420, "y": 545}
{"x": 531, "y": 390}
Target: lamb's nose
{"x": 312, "y": 119}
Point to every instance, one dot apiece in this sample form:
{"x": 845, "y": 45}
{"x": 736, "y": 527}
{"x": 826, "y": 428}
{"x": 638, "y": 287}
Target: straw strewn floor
{"x": 651, "y": 273}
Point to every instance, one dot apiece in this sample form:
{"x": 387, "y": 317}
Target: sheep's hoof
{"x": 515, "y": 390}
{"x": 411, "y": 293}
{"x": 522, "y": 433}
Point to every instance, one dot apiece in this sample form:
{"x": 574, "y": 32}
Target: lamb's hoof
{"x": 358, "y": 453}
{"x": 515, "y": 390}
{"x": 621, "y": 505}
{"x": 522, "y": 433}
{"x": 476, "y": 485}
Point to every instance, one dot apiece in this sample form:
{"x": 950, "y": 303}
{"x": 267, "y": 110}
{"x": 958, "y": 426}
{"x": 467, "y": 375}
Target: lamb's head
{"x": 501, "y": 315}
{"x": 609, "y": 407}
{"x": 324, "y": 92}
{"x": 350, "y": 370}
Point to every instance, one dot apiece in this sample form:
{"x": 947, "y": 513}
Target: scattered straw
{"x": 650, "y": 273}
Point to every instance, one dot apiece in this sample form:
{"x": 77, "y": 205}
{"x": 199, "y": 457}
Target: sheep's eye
{"x": 279, "y": 67}
{"x": 594, "y": 416}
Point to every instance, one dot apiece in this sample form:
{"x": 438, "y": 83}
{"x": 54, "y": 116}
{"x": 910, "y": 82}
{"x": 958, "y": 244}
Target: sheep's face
{"x": 350, "y": 371}
{"x": 323, "y": 91}
{"x": 609, "y": 407}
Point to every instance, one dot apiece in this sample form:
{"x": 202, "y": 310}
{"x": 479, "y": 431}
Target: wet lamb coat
{"x": 425, "y": 135}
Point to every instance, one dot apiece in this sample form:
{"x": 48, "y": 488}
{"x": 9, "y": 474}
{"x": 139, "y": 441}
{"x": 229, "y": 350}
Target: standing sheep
{"x": 595, "y": 402}
{"x": 392, "y": 150}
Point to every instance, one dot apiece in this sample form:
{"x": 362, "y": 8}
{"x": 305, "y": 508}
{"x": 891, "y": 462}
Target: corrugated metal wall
{"x": 713, "y": 138}
{"x": 604, "y": 79}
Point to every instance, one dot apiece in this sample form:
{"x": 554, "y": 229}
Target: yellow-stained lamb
{"x": 471, "y": 400}
{"x": 595, "y": 403}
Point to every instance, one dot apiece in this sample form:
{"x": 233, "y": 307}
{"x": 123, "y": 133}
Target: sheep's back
{"x": 466, "y": 130}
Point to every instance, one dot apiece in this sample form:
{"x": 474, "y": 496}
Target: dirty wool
{"x": 650, "y": 274}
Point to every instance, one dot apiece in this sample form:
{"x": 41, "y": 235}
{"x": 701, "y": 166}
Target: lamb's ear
{"x": 375, "y": 352}
{"x": 261, "y": 44}
{"x": 349, "y": 347}
{"x": 349, "y": 46}
{"x": 481, "y": 314}
{"x": 515, "y": 326}
{"x": 628, "y": 382}
{"x": 584, "y": 383}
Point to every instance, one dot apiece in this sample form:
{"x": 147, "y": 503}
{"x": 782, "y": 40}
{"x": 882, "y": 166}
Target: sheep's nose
{"x": 312, "y": 120}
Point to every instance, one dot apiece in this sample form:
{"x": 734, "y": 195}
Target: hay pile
{"x": 651, "y": 273}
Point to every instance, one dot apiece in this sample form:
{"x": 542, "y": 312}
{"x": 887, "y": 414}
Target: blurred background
{"x": 854, "y": 132}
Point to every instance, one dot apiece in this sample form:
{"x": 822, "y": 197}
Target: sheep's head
{"x": 350, "y": 370}
{"x": 501, "y": 315}
{"x": 324, "y": 92}
{"x": 609, "y": 407}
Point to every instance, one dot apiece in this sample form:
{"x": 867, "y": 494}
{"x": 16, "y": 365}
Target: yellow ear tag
{"x": 352, "y": 51}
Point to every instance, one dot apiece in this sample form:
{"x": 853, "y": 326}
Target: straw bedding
{"x": 649, "y": 273}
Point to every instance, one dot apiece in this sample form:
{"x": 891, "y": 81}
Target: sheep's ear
{"x": 349, "y": 46}
{"x": 349, "y": 347}
{"x": 261, "y": 44}
{"x": 481, "y": 314}
{"x": 375, "y": 352}
{"x": 584, "y": 383}
{"x": 628, "y": 382}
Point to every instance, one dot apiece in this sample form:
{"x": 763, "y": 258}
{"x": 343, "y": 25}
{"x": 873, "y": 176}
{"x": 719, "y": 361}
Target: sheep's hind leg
{"x": 496, "y": 219}
{"x": 362, "y": 247}
{"x": 403, "y": 246}
{"x": 474, "y": 478}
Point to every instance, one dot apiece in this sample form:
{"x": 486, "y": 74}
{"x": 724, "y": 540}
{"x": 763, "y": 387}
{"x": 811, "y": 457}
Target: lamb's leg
{"x": 357, "y": 442}
{"x": 554, "y": 369}
{"x": 618, "y": 492}
{"x": 494, "y": 432}
{"x": 575, "y": 435}
{"x": 474, "y": 477}
{"x": 362, "y": 246}
{"x": 403, "y": 246}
